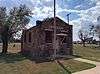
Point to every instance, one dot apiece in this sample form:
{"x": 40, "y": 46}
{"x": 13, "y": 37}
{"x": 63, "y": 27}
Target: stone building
{"x": 38, "y": 40}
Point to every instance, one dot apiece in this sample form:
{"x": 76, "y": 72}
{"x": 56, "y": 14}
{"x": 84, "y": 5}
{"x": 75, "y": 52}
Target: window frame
{"x": 48, "y": 37}
{"x": 30, "y": 37}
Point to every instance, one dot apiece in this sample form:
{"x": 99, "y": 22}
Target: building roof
{"x": 46, "y": 20}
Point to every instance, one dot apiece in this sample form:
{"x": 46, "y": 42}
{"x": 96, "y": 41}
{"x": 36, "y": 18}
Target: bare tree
{"x": 97, "y": 31}
{"x": 12, "y": 22}
{"x": 83, "y": 36}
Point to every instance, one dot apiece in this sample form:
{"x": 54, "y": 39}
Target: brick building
{"x": 38, "y": 40}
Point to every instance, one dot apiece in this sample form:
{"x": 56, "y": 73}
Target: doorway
{"x": 62, "y": 43}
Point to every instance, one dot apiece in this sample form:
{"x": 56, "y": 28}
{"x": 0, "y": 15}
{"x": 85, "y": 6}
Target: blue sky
{"x": 83, "y": 12}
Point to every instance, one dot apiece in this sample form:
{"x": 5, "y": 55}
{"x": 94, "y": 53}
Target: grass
{"x": 28, "y": 67}
{"x": 15, "y": 63}
{"x": 18, "y": 64}
{"x": 75, "y": 66}
{"x": 91, "y": 52}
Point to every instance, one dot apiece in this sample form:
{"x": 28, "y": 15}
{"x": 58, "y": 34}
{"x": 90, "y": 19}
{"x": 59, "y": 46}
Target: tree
{"x": 96, "y": 29}
{"x": 12, "y": 22}
{"x": 83, "y": 36}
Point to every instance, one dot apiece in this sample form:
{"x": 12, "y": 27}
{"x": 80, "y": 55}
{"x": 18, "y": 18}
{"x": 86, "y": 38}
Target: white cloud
{"x": 44, "y": 8}
{"x": 29, "y": 26}
{"x": 89, "y": 14}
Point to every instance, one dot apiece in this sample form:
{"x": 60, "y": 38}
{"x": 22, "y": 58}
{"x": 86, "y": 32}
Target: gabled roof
{"x": 52, "y": 19}
{"x": 47, "y": 20}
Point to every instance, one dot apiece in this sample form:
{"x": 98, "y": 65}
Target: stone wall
{"x": 38, "y": 46}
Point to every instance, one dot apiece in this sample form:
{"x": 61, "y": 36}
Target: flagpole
{"x": 54, "y": 44}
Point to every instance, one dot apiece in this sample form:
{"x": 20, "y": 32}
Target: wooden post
{"x": 54, "y": 44}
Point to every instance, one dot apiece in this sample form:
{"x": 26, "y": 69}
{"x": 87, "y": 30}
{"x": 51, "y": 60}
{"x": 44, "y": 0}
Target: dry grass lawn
{"x": 15, "y": 63}
{"x": 91, "y": 52}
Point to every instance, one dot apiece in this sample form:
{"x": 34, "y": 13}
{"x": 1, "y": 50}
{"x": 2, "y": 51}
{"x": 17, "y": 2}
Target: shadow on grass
{"x": 11, "y": 57}
{"x": 38, "y": 59}
{"x": 15, "y": 57}
{"x": 76, "y": 56}
{"x": 67, "y": 71}
{"x": 42, "y": 60}
{"x": 46, "y": 59}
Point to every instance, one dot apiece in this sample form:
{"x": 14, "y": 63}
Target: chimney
{"x": 38, "y": 22}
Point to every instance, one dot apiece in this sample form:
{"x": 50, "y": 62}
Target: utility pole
{"x": 54, "y": 43}
{"x": 68, "y": 17}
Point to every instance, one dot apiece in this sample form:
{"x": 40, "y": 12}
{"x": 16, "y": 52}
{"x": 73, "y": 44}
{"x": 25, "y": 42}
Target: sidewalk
{"x": 95, "y": 70}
